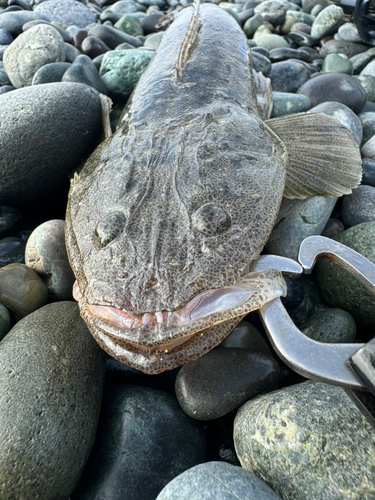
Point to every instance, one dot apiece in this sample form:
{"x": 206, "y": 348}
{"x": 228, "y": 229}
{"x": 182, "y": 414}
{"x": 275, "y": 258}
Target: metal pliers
{"x": 351, "y": 366}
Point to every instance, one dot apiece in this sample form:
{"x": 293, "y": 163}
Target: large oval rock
{"x": 45, "y": 132}
{"x": 51, "y": 373}
{"x": 339, "y": 287}
{"x": 308, "y": 441}
{"x": 66, "y": 12}
{"x": 31, "y": 50}
{"x": 144, "y": 441}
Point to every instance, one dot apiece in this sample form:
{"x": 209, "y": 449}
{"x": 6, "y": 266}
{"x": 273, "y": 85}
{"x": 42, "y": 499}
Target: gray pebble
{"x": 71, "y": 53}
{"x": 46, "y": 254}
{"x": 288, "y": 76}
{"x": 13, "y": 21}
{"x": 368, "y": 168}
{"x": 296, "y": 220}
{"x": 369, "y": 69}
{"x": 368, "y": 149}
{"x": 130, "y": 24}
{"x": 261, "y": 63}
{"x": 217, "y": 481}
{"x": 6, "y": 37}
{"x": 31, "y": 50}
{"x": 50, "y": 73}
{"x": 66, "y": 12}
{"x": 334, "y": 63}
{"x": 333, "y": 228}
{"x": 66, "y": 36}
{"x": 368, "y": 124}
{"x": 328, "y": 21}
{"x": 153, "y": 41}
{"x": 51, "y": 382}
{"x": 359, "y": 206}
{"x": 349, "y": 49}
{"x": 83, "y": 70}
{"x": 5, "y": 321}
{"x": 246, "y": 336}
{"x": 331, "y": 325}
{"x": 308, "y": 5}
{"x": 285, "y": 103}
{"x": 344, "y": 115}
{"x": 272, "y": 11}
{"x": 349, "y": 33}
{"x": 252, "y": 25}
{"x": 368, "y": 83}
{"x": 359, "y": 61}
{"x": 316, "y": 10}
{"x": 307, "y": 441}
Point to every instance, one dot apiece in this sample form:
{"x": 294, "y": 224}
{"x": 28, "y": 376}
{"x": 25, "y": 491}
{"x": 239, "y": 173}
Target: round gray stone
{"x": 368, "y": 149}
{"x": 289, "y": 76}
{"x": 31, "y": 50}
{"x": 359, "y": 61}
{"x": 123, "y": 7}
{"x": 369, "y": 69}
{"x": 307, "y": 441}
{"x": 130, "y": 24}
{"x": 66, "y": 12}
{"x": 368, "y": 83}
{"x": 349, "y": 49}
{"x": 334, "y": 63}
{"x": 344, "y": 115}
{"x": 331, "y": 325}
{"x": 64, "y": 122}
{"x": 261, "y": 63}
{"x": 121, "y": 69}
{"x": 13, "y": 21}
{"x": 359, "y": 206}
{"x": 46, "y": 254}
{"x": 51, "y": 384}
{"x": 217, "y": 481}
{"x": 328, "y": 21}
{"x": 252, "y": 24}
{"x": 153, "y": 41}
{"x": 272, "y": 11}
{"x": 368, "y": 125}
{"x": 50, "y": 73}
{"x": 339, "y": 288}
{"x": 298, "y": 219}
{"x": 349, "y": 33}
{"x": 271, "y": 41}
{"x": 285, "y": 103}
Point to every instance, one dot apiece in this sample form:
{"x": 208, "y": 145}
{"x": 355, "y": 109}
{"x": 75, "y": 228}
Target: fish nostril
{"x": 123, "y": 275}
{"x": 109, "y": 228}
{"x": 151, "y": 282}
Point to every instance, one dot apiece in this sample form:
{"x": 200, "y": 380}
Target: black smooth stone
{"x": 71, "y": 53}
{"x": 244, "y": 15}
{"x": 118, "y": 373}
{"x": 221, "y": 380}
{"x": 66, "y": 36}
{"x": 261, "y": 63}
{"x": 368, "y": 172}
{"x": 144, "y": 440}
{"x": 49, "y": 73}
{"x": 20, "y": 3}
{"x": 309, "y": 50}
{"x": 149, "y": 23}
{"x": 12, "y": 251}
{"x": 288, "y": 76}
{"x": 302, "y": 39}
{"x": 113, "y": 37}
{"x": 295, "y": 293}
{"x": 260, "y": 50}
{"x": 83, "y": 70}
{"x": 6, "y": 37}
{"x": 220, "y": 444}
{"x": 113, "y": 17}
{"x": 98, "y": 61}
{"x": 335, "y": 87}
{"x": 283, "y": 54}
{"x": 13, "y": 21}
{"x": 78, "y": 38}
{"x": 350, "y": 49}
{"x": 94, "y": 46}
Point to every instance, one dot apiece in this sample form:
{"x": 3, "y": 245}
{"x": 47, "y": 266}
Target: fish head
{"x": 162, "y": 224}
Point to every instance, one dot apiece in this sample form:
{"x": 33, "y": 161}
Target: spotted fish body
{"x": 168, "y": 213}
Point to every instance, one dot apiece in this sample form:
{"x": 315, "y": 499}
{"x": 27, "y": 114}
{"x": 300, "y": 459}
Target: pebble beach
{"x": 237, "y": 422}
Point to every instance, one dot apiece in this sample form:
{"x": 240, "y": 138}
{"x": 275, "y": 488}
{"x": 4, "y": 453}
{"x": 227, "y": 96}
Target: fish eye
{"x": 211, "y": 220}
{"x": 109, "y": 228}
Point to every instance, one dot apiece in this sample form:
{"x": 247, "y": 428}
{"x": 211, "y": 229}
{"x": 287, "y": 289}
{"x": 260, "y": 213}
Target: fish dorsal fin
{"x": 188, "y": 41}
{"x": 263, "y": 94}
{"x": 323, "y": 158}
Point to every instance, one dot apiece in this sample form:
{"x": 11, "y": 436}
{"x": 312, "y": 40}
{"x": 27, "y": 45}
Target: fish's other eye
{"x": 211, "y": 220}
{"x": 109, "y": 228}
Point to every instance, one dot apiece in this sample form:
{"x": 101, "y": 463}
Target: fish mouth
{"x": 161, "y": 340}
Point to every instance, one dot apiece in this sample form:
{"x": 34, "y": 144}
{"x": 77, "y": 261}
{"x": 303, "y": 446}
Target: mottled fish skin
{"x": 184, "y": 195}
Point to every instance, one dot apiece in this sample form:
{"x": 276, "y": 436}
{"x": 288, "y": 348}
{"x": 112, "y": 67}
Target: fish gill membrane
{"x": 168, "y": 213}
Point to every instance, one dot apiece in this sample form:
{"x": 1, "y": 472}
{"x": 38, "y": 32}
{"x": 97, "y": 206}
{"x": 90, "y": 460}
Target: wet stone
{"x": 368, "y": 169}
{"x": 261, "y": 63}
{"x": 273, "y": 11}
{"x": 21, "y": 290}
{"x": 308, "y": 5}
{"x": 31, "y": 50}
{"x": 359, "y": 61}
{"x": 285, "y": 103}
{"x": 217, "y": 481}
{"x": 288, "y": 76}
{"x": 368, "y": 149}
{"x": 121, "y": 69}
{"x": 344, "y": 115}
{"x": 295, "y": 292}
{"x": 339, "y": 288}
{"x": 83, "y": 70}
{"x": 335, "y": 87}
{"x": 246, "y": 336}
{"x": 260, "y": 50}
{"x": 93, "y": 46}
{"x": 332, "y": 443}
{"x": 369, "y": 69}
{"x": 244, "y": 15}
{"x": 302, "y": 39}
{"x": 305, "y": 28}
{"x": 51, "y": 382}
{"x": 130, "y": 24}
{"x": 46, "y": 254}
{"x": 113, "y": 37}
{"x": 252, "y": 24}
{"x": 13, "y": 21}
{"x": 49, "y": 73}
{"x": 6, "y": 37}
{"x": 66, "y": 12}
{"x": 333, "y": 228}
{"x": 297, "y": 220}
{"x": 6, "y": 88}
{"x": 359, "y": 206}
{"x": 63, "y": 117}
{"x": 311, "y": 303}
{"x": 349, "y": 33}
{"x": 140, "y": 429}
{"x": 316, "y": 10}
{"x": 328, "y": 21}
{"x": 277, "y": 55}
{"x": 271, "y": 41}
{"x": 123, "y": 7}
{"x": 78, "y": 38}
{"x": 12, "y": 251}
{"x": 349, "y": 49}
{"x": 65, "y": 35}
{"x": 331, "y": 325}
{"x": 71, "y": 53}
{"x": 368, "y": 124}
{"x": 334, "y": 63}
{"x": 300, "y": 17}
{"x": 223, "y": 379}
{"x": 368, "y": 83}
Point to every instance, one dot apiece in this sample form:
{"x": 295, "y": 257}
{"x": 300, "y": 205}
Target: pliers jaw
{"x": 351, "y": 366}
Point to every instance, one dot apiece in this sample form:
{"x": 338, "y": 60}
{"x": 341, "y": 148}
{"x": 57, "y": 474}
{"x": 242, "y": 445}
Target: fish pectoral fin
{"x": 264, "y": 94}
{"x": 323, "y": 158}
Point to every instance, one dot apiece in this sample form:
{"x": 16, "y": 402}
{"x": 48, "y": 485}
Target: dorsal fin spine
{"x": 188, "y": 40}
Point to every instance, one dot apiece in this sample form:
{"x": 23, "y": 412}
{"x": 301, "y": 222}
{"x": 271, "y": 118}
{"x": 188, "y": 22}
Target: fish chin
{"x": 160, "y": 340}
